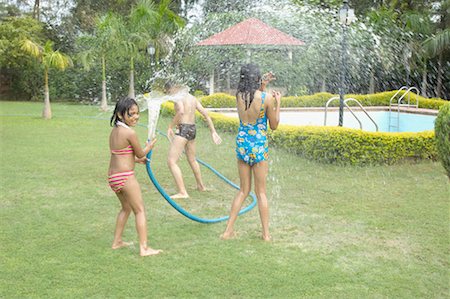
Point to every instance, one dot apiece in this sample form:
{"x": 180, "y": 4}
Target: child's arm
{"x": 179, "y": 111}
{"x": 139, "y": 152}
{"x": 273, "y": 109}
{"x": 216, "y": 138}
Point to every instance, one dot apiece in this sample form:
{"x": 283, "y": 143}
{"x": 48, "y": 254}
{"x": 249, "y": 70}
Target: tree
{"x": 105, "y": 36}
{"x": 148, "y": 23}
{"x": 19, "y": 72}
{"x": 436, "y": 46}
{"x": 49, "y": 58}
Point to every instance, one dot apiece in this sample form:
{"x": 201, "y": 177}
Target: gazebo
{"x": 249, "y": 34}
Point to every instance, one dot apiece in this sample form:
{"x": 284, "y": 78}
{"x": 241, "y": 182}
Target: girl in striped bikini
{"x": 125, "y": 152}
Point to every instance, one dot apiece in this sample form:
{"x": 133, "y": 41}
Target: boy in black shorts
{"x": 184, "y": 136}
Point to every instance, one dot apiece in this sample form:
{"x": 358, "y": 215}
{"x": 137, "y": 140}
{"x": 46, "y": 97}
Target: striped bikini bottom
{"x": 118, "y": 180}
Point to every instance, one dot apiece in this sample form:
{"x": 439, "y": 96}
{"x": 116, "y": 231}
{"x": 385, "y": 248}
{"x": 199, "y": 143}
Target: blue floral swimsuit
{"x": 251, "y": 141}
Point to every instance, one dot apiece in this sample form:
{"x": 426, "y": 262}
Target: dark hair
{"x": 250, "y": 81}
{"x": 169, "y": 85}
{"x": 122, "y": 106}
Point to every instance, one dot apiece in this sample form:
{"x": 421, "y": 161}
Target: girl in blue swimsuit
{"x": 255, "y": 107}
{"x": 251, "y": 142}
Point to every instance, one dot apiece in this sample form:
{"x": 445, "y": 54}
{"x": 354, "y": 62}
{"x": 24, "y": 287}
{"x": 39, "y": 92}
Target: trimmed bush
{"x": 343, "y": 145}
{"x": 223, "y": 100}
{"x": 352, "y": 146}
{"x": 219, "y": 100}
{"x": 339, "y": 145}
{"x": 442, "y": 128}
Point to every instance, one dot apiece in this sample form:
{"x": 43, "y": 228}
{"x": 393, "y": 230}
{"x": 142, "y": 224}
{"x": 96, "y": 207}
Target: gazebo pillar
{"x": 249, "y": 55}
{"x": 211, "y": 82}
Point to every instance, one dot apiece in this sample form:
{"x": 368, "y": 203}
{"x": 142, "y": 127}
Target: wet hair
{"x": 169, "y": 85}
{"x": 122, "y": 106}
{"x": 249, "y": 82}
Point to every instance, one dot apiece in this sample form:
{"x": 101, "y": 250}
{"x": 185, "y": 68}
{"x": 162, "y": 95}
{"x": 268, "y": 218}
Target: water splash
{"x": 152, "y": 102}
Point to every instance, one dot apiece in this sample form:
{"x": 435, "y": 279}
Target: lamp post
{"x": 346, "y": 16}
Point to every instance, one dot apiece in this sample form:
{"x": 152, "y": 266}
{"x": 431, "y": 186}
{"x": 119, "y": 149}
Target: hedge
{"x": 223, "y": 100}
{"x": 351, "y": 146}
{"x": 340, "y": 145}
{"x": 442, "y": 128}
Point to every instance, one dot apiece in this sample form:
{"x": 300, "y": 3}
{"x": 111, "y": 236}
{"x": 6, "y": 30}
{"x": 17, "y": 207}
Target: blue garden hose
{"x": 183, "y": 211}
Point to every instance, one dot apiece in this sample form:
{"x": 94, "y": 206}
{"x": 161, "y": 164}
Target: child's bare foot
{"x": 201, "y": 188}
{"x": 267, "y": 238}
{"x": 149, "y": 251}
{"x": 228, "y": 235}
{"x": 121, "y": 244}
{"x": 180, "y": 195}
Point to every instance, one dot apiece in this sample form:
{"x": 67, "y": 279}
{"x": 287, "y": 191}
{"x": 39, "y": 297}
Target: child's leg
{"x": 190, "y": 153}
{"x": 122, "y": 218}
{"x": 132, "y": 193}
{"x": 245, "y": 177}
{"x": 175, "y": 151}
{"x": 260, "y": 172}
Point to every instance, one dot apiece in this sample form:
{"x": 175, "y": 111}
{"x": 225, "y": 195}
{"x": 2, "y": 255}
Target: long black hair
{"x": 250, "y": 81}
{"x": 122, "y": 106}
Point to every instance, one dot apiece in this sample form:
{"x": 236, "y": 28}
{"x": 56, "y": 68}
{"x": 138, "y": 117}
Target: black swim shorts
{"x": 186, "y": 131}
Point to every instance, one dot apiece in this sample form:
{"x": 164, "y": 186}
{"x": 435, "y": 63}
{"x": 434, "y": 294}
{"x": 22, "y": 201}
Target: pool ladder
{"x": 349, "y": 109}
{"x": 401, "y": 103}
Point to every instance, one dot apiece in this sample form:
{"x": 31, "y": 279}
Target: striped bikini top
{"x": 125, "y": 151}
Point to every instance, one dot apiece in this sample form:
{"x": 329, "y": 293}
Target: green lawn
{"x": 345, "y": 232}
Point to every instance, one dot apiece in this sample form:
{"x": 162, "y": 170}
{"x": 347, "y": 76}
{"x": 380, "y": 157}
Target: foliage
{"x": 378, "y": 45}
{"x": 223, "y": 100}
{"x": 356, "y": 147}
{"x": 442, "y": 129}
{"x": 48, "y": 58}
{"x": 22, "y": 71}
{"x": 340, "y": 145}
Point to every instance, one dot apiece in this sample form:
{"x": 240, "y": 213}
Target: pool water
{"x": 409, "y": 122}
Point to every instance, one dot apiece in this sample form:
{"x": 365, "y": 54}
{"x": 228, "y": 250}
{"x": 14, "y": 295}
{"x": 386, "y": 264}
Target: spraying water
{"x": 152, "y": 102}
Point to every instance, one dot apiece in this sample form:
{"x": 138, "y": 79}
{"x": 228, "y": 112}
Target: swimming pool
{"x": 409, "y": 122}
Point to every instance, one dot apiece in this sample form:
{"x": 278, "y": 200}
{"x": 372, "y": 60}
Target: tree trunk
{"x": 47, "y": 112}
{"x": 439, "y": 76}
{"x": 36, "y": 9}
{"x": 323, "y": 87}
{"x": 372, "y": 83}
{"x": 131, "y": 93}
{"x": 104, "y": 102}
{"x": 424, "y": 81}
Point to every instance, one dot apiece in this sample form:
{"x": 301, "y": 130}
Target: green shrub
{"x": 223, "y": 100}
{"x": 352, "y": 146}
{"x": 219, "y": 100}
{"x": 199, "y": 93}
{"x": 336, "y": 144}
{"x": 343, "y": 145}
{"x": 442, "y": 128}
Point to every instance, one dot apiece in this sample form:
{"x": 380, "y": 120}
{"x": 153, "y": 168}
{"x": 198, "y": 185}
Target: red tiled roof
{"x": 251, "y": 32}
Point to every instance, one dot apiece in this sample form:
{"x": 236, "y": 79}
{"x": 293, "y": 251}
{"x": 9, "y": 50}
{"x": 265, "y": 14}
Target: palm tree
{"x": 99, "y": 45}
{"x": 436, "y": 45}
{"x": 49, "y": 58}
{"x": 149, "y": 23}
{"x": 420, "y": 26}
